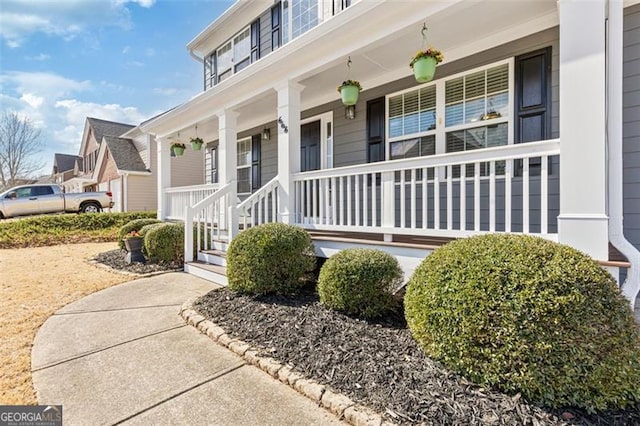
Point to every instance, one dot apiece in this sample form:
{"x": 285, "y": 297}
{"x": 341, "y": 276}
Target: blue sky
{"x": 120, "y": 60}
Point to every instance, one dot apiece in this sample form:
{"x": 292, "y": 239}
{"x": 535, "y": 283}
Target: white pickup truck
{"x": 46, "y": 198}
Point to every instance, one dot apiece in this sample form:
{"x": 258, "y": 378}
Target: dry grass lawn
{"x": 34, "y": 283}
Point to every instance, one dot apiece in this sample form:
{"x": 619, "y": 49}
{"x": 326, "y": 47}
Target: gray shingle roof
{"x": 64, "y": 162}
{"x": 102, "y": 128}
{"x": 125, "y": 154}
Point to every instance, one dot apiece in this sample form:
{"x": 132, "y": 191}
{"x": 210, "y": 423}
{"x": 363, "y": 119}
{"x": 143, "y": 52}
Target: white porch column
{"x": 163, "y": 166}
{"x": 583, "y": 220}
{"x": 228, "y": 162}
{"x": 288, "y": 145}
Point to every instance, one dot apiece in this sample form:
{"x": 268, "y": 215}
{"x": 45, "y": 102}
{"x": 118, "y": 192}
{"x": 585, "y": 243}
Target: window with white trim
{"x": 244, "y": 166}
{"x": 474, "y": 109}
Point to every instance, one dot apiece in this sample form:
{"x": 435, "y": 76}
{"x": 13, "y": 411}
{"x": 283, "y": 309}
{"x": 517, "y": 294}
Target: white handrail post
{"x": 163, "y": 163}
{"x": 232, "y": 211}
{"x": 388, "y": 202}
{"x": 188, "y": 235}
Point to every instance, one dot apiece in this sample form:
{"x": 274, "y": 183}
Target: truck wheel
{"x": 91, "y": 208}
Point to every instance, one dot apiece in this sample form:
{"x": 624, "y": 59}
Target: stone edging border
{"x": 129, "y": 273}
{"x": 340, "y": 405}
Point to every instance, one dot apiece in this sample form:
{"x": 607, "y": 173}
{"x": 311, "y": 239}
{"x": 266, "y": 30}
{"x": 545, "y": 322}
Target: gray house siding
{"x": 631, "y": 125}
{"x": 269, "y": 153}
{"x": 349, "y": 135}
{"x": 350, "y": 143}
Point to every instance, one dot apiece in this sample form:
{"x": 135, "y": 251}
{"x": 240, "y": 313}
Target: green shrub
{"x": 359, "y": 282}
{"x": 164, "y": 243}
{"x": 65, "y": 228}
{"x": 527, "y": 315}
{"x": 134, "y": 225}
{"x": 270, "y": 258}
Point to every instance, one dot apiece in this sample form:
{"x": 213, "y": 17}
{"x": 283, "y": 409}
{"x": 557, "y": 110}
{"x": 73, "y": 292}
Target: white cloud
{"x": 74, "y": 112}
{"x": 142, "y": 3}
{"x": 32, "y": 100}
{"x": 126, "y": 50}
{"x": 61, "y": 18}
{"x": 150, "y": 52}
{"x": 43, "y": 84}
{"x": 55, "y": 104}
{"x": 41, "y": 57}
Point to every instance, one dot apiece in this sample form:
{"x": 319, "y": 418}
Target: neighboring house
{"x": 522, "y": 130}
{"x": 63, "y": 167}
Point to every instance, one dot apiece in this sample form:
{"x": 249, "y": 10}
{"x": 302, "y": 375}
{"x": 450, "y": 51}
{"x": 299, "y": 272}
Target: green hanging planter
{"x": 424, "y": 69}
{"x": 196, "y": 144}
{"x": 349, "y": 91}
{"x": 349, "y": 95}
{"x": 178, "y": 150}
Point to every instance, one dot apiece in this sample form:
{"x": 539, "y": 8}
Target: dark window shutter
{"x": 210, "y": 71}
{"x": 276, "y": 35}
{"x": 256, "y": 151}
{"x": 255, "y": 40}
{"x": 532, "y": 100}
{"x": 375, "y": 130}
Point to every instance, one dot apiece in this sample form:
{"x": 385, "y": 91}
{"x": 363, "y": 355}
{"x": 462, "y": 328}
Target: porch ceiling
{"x": 380, "y": 53}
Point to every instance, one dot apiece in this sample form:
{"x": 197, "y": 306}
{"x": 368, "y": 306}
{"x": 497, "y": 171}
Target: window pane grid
{"x": 479, "y": 96}
{"x": 412, "y": 112}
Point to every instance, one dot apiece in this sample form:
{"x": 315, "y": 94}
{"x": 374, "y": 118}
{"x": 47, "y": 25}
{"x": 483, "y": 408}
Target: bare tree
{"x": 20, "y": 143}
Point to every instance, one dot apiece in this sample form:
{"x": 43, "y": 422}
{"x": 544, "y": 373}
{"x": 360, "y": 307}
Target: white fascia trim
{"x": 226, "y": 24}
{"x": 101, "y": 154}
{"x": 133, "y": 173}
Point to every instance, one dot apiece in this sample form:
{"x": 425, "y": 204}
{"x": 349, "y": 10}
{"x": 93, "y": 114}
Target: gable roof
{"x": 124, "y": 154}
{"x": 64, "y": 162}
{"x": 102, "y": 128}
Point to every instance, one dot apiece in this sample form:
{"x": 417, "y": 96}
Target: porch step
{"x": 214, "y": 273}
{"x": 215, "y": 257}
{"x": 220, "y": 245}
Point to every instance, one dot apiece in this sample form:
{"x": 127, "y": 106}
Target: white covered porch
{"x": 555, "y": 188}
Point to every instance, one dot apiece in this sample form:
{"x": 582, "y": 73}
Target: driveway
{"x": 124, "y": 356}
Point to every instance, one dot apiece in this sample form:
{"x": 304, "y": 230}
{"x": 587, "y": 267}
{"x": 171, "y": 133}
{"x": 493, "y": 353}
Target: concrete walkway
{"x": 124, "y": 356}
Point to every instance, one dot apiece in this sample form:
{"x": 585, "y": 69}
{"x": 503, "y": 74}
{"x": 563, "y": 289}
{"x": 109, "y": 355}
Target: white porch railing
{"x": 262, "y": 206}
{"x": 207, "y": 220}
{"x": 178, "y": 198}
{"x": 511, "y": 188}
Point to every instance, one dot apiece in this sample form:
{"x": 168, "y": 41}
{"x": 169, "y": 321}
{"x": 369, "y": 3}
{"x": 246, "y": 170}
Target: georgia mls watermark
{"x": 30, "y": 415}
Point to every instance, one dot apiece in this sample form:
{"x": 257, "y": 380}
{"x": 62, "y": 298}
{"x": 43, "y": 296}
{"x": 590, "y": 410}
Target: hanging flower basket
{"x": 424, "y": 64}
{"x": 178, "y": 149}
{"x": 196, "y": 144}
{"x": 349, "y": 92}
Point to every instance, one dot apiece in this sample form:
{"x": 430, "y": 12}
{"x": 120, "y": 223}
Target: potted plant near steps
{"x": 349, "y": 92}
{"x": 178, "y": 148}
{"x": 133, "y": 243}
{"x": 196, "y": 144}
{"x": 424, "y": 64}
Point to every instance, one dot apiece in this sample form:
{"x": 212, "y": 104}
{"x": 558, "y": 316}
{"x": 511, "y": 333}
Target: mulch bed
{"x": 377, "y": 364}
{"x": 115, "y": 259}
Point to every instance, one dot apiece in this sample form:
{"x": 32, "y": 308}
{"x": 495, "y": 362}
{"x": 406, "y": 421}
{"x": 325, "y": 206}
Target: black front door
{"x": 310, "y": 146}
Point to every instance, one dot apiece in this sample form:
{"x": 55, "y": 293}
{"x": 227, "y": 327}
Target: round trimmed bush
{"x": 270, "y": 258}
{"x": 527, "y": 315}
{"x": 165, "y": 243}
{"x": 359, "y": 282}
{"x": 134, "y": 225}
